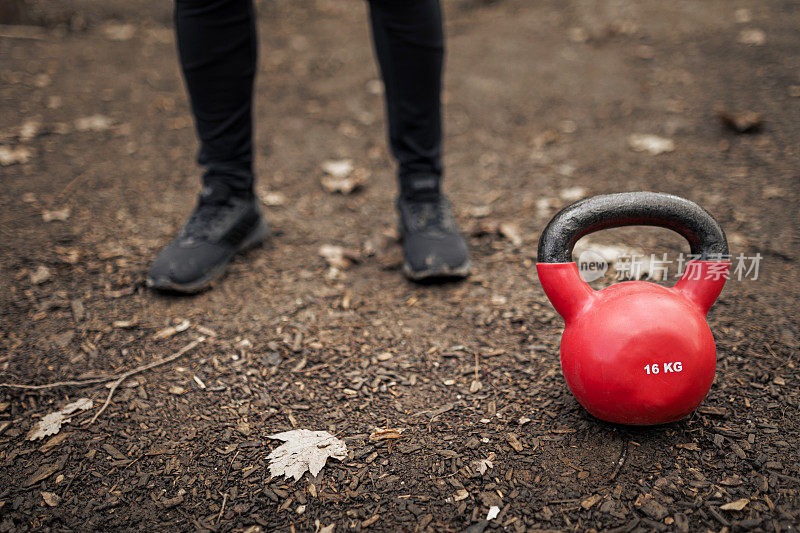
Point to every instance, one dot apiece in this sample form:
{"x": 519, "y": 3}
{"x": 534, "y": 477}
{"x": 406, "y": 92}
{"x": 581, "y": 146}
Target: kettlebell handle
{"x": 706, "y": 238}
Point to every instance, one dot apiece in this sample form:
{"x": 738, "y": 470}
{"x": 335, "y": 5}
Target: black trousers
{"x": 217, "y": 46}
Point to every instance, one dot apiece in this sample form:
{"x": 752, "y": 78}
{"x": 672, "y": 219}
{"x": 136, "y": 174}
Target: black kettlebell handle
{"x": 705, "y": 235}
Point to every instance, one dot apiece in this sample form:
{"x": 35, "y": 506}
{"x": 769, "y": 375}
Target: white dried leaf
{"x": 753, "y": 37}
{"x": 40, "y": 275}
{"x": 347, "y": 185}
{"x": 53, "y": 215}
{"x": 303, "y": 450}
{"x": 338, "y": 257}
{"x": 510, "y": 231}
{"x": 119, "y": 32}
{"x": 93, "y": 123}
{"x": 572, "y": 194}
{"x": 652, "y": 144}
{"x": 51, "y": 423}
{"x": 273, "y": 199}
{"x": 340, "y": 168}
{"x": 12, "y": 156}
{"x": 29, "y": 129}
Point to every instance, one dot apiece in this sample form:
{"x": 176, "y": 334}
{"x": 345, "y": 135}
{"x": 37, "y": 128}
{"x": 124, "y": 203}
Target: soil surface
{"x": 541, "y": 100}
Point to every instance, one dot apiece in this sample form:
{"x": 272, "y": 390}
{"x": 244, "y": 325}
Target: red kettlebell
{"x": 636, "y": 352}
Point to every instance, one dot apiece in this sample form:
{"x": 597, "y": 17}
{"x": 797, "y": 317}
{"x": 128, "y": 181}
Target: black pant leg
{"x": 218, "y": 49}
{"x": 409, "y": 44}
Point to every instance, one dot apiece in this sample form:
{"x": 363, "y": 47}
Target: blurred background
{"x": 546, "y": 102}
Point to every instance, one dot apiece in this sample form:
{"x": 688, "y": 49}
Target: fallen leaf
{"x": 689, "y": 446}
{"x": 741, "y": 121}
{"x": 738, "y": 505}
{"x": 346, "y": 185}
{"x": 590, "y": 501}
{"x": 384, "y": 434}
{"x": 653, "y": 144}
{"x": 303, "y": 450}
{"x": 172, "y": 330}
{"x": 93, "y": 123}
{"x": 572, "y": 194}
{"x": 339, "y": 257}
{"x": 461, "y": 494}
{"x": 273, "y": 199}
{"x": 51, "y": 499}
{"x": 51, "y": 423}
{"x": 29, "y": 129}
{"x": 752, "y": 37}
{"x": 482, "y": 465}
{"x": 56, "y": 214}
{"x": 340, "y": 168}
{"x": 176, "y": 390}
{"x": 12, "y": 156}
{"x": 40, "y": 275}
{"x": 118, "y": 32}
{"x": 510, "y": 231}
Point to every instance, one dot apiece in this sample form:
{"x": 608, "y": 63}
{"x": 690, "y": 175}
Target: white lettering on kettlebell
{"x": 675, "y": 366}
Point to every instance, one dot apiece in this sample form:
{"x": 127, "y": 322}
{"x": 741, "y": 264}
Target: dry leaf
{"x": 119, "y": 32}
{"x": 482, "y": 465}
{"x": 752, "y": 36}
{"x": 339, "y": 257}
{"x": 738, "y": 505}
{"x": 741, "y": 121}
{"x": 384, "y": 434}
{"x": 93, "y": 123}
{"x": 347, "y": 185}
{"x": 12, "y": 156}
{"x": 652, "y": 144}
{"x": 29, "y": 129}
{"x": 176, "y": 390}
{"x": 572, "y": 194}
{"x": 494, "y": 511}
{"x": 304, "y": 450}
{"x": 340, "y": 168}
{"x": 273, "y": 199}
{"x": 51, "y": 499}
{"x": 50, "y": 424}
{"x": 510, "y": 231}
{"x": 56, "y": 214}
{"x": 172, "y": 330}
{"x": 461, "y": 494}
{"x": 40, "y": 275}
{"x": 590, "y": 501}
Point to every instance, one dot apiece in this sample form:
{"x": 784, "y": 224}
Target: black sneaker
{"x": 219, "y": 227}
{"x": 432, "y": 245}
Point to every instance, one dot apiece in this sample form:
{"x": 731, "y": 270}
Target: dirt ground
{"x": 541, "y": 99}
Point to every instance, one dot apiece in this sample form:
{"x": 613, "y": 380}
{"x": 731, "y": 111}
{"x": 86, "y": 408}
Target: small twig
{"x": 621, "y": 461}
{"x": 78, "y": 383}
{"x": 222, "y": 510}
{"x": 125, "y": 375}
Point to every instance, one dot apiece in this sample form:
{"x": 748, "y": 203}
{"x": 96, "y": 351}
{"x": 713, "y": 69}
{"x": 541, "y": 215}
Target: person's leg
{"x": 409, "y": 45}
{"x": 218, "y": 49}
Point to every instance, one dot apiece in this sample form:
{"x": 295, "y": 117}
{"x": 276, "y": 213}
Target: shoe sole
{"x": 256, "y": 237}
{"x": 443, "y": 272}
